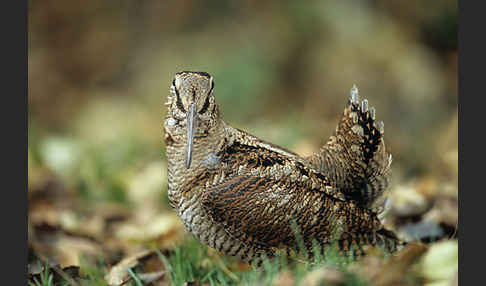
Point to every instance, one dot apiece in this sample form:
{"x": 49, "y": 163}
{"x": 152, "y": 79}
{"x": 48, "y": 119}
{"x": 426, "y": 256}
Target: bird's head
{"x": 192, "y": 103}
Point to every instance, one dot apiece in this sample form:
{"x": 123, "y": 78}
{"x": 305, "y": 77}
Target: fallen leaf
{"x": 118, "y": 274}
{"x": 440, "y": 263}
{"x": 392, "y": 271}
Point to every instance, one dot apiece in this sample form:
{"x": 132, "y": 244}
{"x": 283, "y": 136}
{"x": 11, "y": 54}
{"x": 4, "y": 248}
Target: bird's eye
{"x": 179, "y": 101}
{"x": 206, "y": 103}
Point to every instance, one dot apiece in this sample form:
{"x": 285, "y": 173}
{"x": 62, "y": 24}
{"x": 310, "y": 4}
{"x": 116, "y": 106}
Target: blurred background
{"x": 99, "y": 73}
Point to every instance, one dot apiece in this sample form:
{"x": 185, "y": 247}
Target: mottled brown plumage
{"x": 243, "y": 196}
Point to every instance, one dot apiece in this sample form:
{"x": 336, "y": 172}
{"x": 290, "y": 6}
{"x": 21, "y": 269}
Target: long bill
{"x": 191, "y": 120}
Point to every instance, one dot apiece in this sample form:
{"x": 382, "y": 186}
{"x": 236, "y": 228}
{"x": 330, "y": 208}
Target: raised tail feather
{"x": 355, "y": 157}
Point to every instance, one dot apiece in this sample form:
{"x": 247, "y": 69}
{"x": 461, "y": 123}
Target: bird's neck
{"x": 209, "y": 138}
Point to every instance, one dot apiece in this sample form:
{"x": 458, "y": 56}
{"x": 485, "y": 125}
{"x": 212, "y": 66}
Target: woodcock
{"x": 246, "y": 197}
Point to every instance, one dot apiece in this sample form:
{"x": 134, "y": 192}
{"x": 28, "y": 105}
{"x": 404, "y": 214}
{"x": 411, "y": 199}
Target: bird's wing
{"x": 275, "y": 214}
{"x": 262, "y": 210}
{"x": 270, "y": 198}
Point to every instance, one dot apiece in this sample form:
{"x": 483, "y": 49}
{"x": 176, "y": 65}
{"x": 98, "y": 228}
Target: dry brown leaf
{"x": 69, "y": 249}
{"x": 61, "y": 247}
{"x": 163, "y": 228}
{"x": 392, "y": 271}
{"x": 117, "y": 275}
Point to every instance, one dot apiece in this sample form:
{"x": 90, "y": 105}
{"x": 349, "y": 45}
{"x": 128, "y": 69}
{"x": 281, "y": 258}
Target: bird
{"x": 250, "y": 198}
